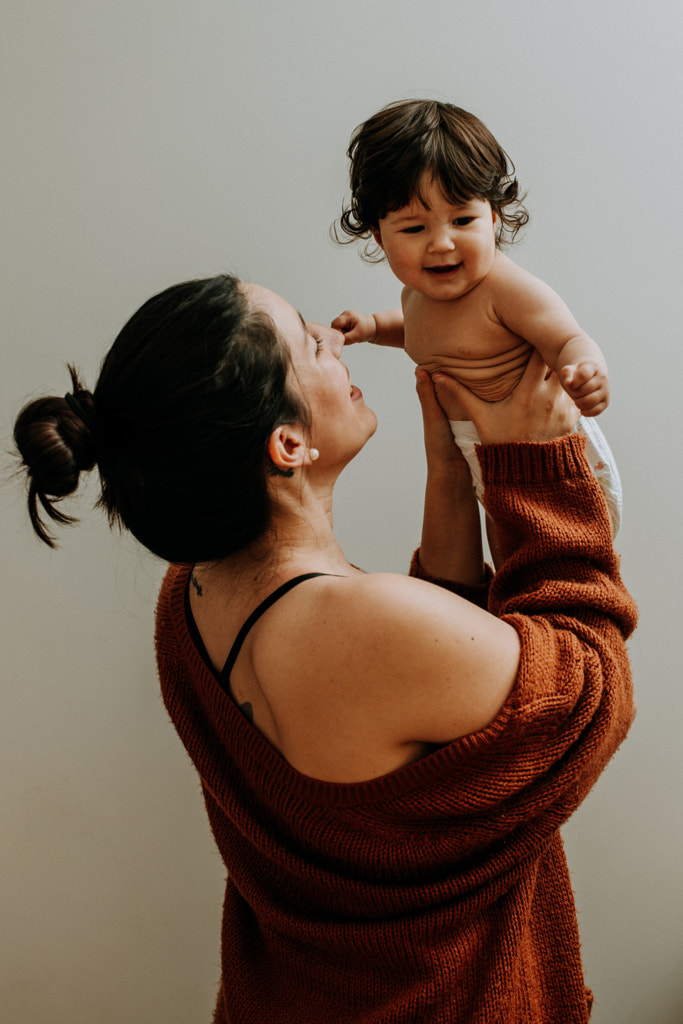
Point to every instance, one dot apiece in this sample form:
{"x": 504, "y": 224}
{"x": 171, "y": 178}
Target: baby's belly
{"x": 492, "y": 377}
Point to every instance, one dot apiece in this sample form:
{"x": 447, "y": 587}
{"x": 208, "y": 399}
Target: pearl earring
{"x": 313, "y": 454}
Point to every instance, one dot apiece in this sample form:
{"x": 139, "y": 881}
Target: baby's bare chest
{"x": 465, "y": 328}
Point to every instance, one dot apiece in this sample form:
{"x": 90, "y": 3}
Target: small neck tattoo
{"x": 196, "y": 584}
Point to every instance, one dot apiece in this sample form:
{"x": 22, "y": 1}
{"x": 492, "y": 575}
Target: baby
{"x": 431, "y": 186}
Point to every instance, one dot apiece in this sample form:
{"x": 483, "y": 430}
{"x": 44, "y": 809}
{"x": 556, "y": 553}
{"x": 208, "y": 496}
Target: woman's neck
{"x": 299, "y": 539}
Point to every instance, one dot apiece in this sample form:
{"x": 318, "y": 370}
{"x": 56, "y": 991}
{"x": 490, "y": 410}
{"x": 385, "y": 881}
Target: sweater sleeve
{"x": 560, "y": 588}
{"x": 554, "y": 533}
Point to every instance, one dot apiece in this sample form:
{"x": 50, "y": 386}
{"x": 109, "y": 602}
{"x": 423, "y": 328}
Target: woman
{"x": 385, "y": 763}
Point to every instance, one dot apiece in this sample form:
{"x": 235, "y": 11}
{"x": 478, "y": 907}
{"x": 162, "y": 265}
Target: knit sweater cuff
{"x": 533, "y": 462}
{"x": 476, "y": 593}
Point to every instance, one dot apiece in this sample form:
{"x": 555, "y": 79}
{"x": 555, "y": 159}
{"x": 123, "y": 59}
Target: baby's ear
{"x": 377, "y": 235}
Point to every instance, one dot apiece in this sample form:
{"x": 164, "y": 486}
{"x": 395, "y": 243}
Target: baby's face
{"x": 436, "y": 248}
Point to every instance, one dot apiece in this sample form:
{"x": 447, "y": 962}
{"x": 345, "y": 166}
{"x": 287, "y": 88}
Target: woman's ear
{"x": 287, "y": 448}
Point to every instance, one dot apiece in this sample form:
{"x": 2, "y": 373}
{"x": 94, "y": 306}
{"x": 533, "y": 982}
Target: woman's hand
{"x": 443, "y": 455}
{"x": 537, "y": 410}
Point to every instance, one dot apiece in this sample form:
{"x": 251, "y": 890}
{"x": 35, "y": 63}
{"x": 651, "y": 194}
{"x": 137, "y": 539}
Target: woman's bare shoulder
{"x": 381, "y": 666}
{"x": 373, "y": 604}
{"x": 403, "y": 623}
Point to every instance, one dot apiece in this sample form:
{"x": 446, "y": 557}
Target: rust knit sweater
{"x": 438, "y": 893}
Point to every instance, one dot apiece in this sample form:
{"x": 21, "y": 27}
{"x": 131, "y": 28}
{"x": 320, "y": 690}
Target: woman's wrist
{"x": 451, "y": 544}
{"x": 452, "y": 478}
{"x": 475, "y": 591}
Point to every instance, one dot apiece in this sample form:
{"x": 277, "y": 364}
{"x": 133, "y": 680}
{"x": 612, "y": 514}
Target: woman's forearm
{"x": 554, "y": 532}
{"x": 451, "y": 545}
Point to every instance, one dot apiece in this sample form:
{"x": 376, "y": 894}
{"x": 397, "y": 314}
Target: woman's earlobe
{"x": 286, "y": 448}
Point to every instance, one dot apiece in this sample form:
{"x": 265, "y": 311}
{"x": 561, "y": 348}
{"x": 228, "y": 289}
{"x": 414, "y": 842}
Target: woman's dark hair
{"x": 391, "y": 151}
{"x": 178, "y": 425}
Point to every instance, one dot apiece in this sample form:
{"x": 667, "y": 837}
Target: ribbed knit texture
{"x": 438, "y": 893}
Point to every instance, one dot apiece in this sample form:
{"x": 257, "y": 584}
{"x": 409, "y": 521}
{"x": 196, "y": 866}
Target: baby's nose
{"x": 441, "y": 240}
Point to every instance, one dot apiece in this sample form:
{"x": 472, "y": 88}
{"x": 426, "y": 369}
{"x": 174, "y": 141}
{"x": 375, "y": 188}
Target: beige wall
{"x": 146, "y": 142}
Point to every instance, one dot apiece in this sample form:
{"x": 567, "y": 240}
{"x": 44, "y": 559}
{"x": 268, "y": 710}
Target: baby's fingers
{"x": 591, "y": 401}
{"x": 344, "y": 322}
{"x": 577, "y": 376}
{"x": 587, "y": 386}
{"x": 591, "y": 407}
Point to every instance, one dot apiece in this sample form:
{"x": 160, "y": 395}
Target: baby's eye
{"x": 412, "y": 230}
{"x": 462, "y": 222}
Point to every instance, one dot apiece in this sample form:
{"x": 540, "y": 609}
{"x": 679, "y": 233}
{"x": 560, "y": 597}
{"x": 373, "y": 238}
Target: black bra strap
{"x": 264, "y": 606}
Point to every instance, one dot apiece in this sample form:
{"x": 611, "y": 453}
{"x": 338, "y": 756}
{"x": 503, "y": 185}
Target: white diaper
{"x": 598, "y": 453}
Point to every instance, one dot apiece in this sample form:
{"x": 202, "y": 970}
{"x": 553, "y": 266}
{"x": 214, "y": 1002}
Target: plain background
{"x": 146, "y": 142}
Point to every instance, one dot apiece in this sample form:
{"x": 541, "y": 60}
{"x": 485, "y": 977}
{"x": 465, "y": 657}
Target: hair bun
{"x": 81, "y": 405}
{"x": 56, "y": 440}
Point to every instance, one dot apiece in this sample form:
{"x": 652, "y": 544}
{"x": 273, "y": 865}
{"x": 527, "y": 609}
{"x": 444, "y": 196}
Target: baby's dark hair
{"x": 391, "y": 152}
{"x": 178, "y": 425}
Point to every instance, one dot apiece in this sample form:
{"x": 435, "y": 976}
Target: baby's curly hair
{"x": 391, "y": 152}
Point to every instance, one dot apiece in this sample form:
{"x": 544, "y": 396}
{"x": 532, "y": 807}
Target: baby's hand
{"x": 355, "y": 326}
{"x": 587, "y": 385}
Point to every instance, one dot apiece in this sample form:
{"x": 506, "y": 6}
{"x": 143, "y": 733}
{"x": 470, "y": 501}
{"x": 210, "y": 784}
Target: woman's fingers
{"x": 439, "y": 443}
{"x": 536, "y": 410}
{"x": 433, "y": 415}
{"x": 454, "y": 398}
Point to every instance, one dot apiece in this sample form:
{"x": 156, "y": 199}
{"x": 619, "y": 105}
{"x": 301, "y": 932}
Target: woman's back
{"x": 352, "y": 676}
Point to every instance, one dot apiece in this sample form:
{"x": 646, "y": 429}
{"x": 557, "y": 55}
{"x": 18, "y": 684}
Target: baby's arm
{"x": 379, "y": 328}
{"x": 582, "y": 372}
{"x": 532, "y": 310}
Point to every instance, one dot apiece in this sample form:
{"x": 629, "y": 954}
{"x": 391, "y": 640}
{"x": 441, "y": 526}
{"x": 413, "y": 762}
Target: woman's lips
{"x": 356, "y": 393}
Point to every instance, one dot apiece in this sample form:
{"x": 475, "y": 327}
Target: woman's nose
{"x": 336, "y": 341}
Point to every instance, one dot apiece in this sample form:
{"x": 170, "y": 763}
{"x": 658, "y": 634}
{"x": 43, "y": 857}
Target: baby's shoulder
{"x": 509, "y": 280}
{"x": 505, "y": 274}
{"x": 410, "y": 298}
